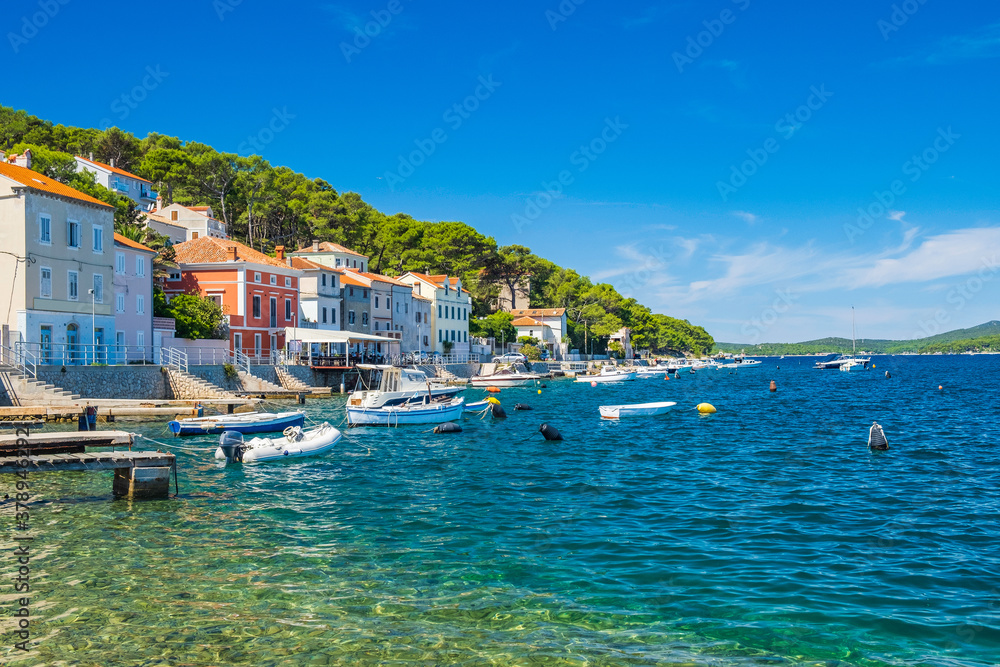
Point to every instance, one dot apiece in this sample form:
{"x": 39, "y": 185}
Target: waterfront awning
{"x": 324, "y": 336}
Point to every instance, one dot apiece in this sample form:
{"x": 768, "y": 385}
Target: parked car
{"x": 510, "y": 358}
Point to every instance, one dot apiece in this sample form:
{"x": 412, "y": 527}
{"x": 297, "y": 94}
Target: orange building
{"x": 259, "y": 294}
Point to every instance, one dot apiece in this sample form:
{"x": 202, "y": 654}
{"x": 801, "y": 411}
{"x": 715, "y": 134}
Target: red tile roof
{"x": 380, "y": 278}
{"x": 41, "y": 183}
{"x": 437, "y": 280}
{"x": 114, "y": 169}
{"x": 208, "y": 249}
{"x": 539, "y": 312}
{"x": 347, "y": 278}
{"x": 327, "y": 246}
{"x": 526, "y": 322}
{"x": 303, "y": 263}
{"x": 130, "y": 243}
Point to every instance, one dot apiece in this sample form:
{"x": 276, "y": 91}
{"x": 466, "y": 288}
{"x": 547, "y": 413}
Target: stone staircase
{"x": 289, "y": 381}
{"x": 188, "y": 387}
{"x": 19, "y": 389}
{"x": 256, "y": 384}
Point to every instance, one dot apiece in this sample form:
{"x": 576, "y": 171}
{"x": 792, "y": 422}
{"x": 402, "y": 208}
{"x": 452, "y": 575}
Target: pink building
{"x": 132, "y": 278}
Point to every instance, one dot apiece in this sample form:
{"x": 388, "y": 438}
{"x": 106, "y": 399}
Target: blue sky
{"x": 713, "y": 156}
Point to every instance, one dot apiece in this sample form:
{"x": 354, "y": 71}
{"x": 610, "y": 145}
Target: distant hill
{"x": 983, "y": 337}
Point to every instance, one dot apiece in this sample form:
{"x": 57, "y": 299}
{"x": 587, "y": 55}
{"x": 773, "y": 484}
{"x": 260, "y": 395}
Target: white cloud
{"x": 746, "y": 217}
{"x": 897, "y": 215}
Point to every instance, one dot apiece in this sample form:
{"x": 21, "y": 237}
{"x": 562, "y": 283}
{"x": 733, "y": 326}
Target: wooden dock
{"x": 138, "y": 475}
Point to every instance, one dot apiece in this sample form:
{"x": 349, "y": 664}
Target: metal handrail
{"x": 175, "y": 358}
{"x": 22, "y": 359}
{"x": 241, "y": 360}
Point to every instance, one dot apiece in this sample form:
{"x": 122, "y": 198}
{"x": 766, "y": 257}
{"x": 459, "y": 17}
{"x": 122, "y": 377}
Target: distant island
{"x": 982, "y": 338}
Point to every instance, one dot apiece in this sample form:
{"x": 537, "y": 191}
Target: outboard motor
{"x": 231, "y": 444}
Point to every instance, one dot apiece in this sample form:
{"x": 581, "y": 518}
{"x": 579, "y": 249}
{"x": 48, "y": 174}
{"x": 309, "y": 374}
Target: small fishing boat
{"x": 397, "y": 386}
{"x": 249, "y": 422}
{"x": 428, "y": 412}
{"x": 650, "y": 372}
{"x": 509, "y": 376}
{"x": 608, "y": 374}
{"x": 635, "y": 410}
{"x": 295, "y": 443}
{"x": 478, "y": 406}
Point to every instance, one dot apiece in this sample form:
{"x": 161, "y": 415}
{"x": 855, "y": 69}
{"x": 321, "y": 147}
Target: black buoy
{"x": 887, "y": 375}
{"x": 448, "y": 427}
{"x": 876, "y": 438}
{"x": 497, "y": 410}
{"x": 522, "y": 406}
{"x": 550, "y": 432}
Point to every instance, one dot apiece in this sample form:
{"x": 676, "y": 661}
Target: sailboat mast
{"x": 854, "y": 342}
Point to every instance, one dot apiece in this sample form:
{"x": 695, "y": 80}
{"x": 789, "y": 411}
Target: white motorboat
{"x": 428, "y": 412}
{"x": 650, "y": 372}
{"x": 507, "y": 376}
{"x": 748, "y": 363}
{"x": 635, "y": 410}
{"x": 846, "y": 362}
{"x": 854, "y": 364}
{"x": 296, "y": 443}
{"x": 398, "y": 386}
{"x": 247, "y": 422}
{"x": 609, "y": 374}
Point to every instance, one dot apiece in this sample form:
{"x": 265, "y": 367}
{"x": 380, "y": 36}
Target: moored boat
{"x": 608, "y": 374}
{"x": 635, "y": 410}
{"x": 295, "y": 443}
{"x": 508, "y": 376}
{"x": 428, "y": 412}
{"x": 250, "y": 422}
{"x": 398, "y": 386}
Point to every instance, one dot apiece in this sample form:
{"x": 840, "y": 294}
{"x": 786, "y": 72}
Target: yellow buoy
{"x": 539, "y": 391}
{"x": 706, "y": 408}
{"x": 493, "y": 401}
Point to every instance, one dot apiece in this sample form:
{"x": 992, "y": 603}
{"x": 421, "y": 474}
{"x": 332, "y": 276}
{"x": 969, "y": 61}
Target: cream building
{"x": 58, "y": 267}
{"x": 451, "y": 306}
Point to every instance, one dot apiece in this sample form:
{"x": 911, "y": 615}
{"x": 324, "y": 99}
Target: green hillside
{"x": 984, "y": 337}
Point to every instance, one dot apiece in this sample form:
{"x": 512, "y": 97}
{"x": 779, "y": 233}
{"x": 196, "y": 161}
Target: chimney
{"x": 91, "y": 156}
{"x": 279, "y": 252}
{"x": 112, "y": 163}
{"x": 22, "y": 160}
{"x": 159, "y": 204}
{"x": 315, "y": 246}
{"x": 231, "y": 254}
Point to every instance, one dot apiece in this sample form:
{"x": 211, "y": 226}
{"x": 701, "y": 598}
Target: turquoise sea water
{"x": 764, "y": 534}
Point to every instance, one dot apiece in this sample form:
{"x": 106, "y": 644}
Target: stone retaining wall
{"x": 139, "y": 382}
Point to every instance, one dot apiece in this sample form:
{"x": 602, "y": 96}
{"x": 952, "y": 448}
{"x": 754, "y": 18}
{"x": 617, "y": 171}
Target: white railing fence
{"x": 175, "y": 358}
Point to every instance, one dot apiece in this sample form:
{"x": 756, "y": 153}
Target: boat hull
{"x": 635, "y": 410}
{"x": 209, "y": 425}
{"x": 503, "y": 382}
{"x": 402, "y": 416}
{"x": 315, "y": 442}
{"x": 607, "y": 379}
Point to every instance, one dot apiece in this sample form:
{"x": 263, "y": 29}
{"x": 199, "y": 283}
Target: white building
{"x": 333, "y": 255}
{"x": 117, "y": 180}
{"x": 59, "y": 267}
{"x": 185, "y": 223}
{"x": 451, "y": 306}
{"x": 133, "y": 295}
{"x": 548, "y": 325}
{"x": 319, "y": 295}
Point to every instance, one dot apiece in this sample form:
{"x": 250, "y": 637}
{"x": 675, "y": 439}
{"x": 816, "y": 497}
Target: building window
{"x": 364, "y": 294}
{"x": 440, "y": 335}
{"x": 256, "y": 276}
{"x": 119, "y": 263}
{"x": 324, "y": 315}
{"x": 439, "y": 311}
{"x": 173, "y": 216}
{"x": 140, "y": 338}
{"x": 465, "y": 336}
{"x": 418, "y": 318}
{"x": 140, "y": 304}
{"x": 73, "y": 234}
{"x": 364, "y": 319}
{"x": 425, "y": 318}
{"x": 140, "y": 266}
{"x": 256, "y": 306}
{"x": 174, "y": 276}
{"x": 98, "y": 238}
{"x": 376, "y": 326}
{"x": 338, "y": 263}
{"x": 273, "y": 312}
{"x": 274, "y": 279}
{"x": 44, "y": 229}
{"x": 73, "y": 285}
{"x": 323, "y": 276}
{"x": 119, "y": 303}
{"x": 98, "y": 288}
{"x": 426, "y": 342}
{"x": 45, "y": 286}
{"x": 333, "y": 315}
{"x": 452, "y": 335}
{"x": 352, "y": 291}
{"x": 376, "y": 302}
{"x": 350, "y": 317}
{"x": 288, "y": 310}
{"x": 453, "y": 313}
{"x": 194, "y": 235}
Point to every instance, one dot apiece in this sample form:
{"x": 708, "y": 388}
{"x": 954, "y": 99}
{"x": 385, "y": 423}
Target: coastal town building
{"x": 319, "y": 295}
{"x": 417, "y": 336}
{"x": 132, "y": 287}
{"x": 333, "y": 255}
{"x": 57, "y": 267}
{"x": 259, "y": 294}
{"x": 185, "y": 223}
{"x": 119, "y": 181}
{"x": 451, "y": 305}
{"x": 548, "y": 325}
{"x": 355, "y": 305}
{"x": 624, "y": 337}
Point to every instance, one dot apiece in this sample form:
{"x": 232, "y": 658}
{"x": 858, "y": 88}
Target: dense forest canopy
{"x": 266, "y": 206}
